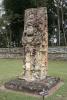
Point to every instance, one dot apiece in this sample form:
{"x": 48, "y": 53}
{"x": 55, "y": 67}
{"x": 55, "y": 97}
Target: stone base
{"x": 35, "y": 87}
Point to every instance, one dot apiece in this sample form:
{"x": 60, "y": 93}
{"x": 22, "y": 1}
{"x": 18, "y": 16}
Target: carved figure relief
{"x": 35, "y": 42}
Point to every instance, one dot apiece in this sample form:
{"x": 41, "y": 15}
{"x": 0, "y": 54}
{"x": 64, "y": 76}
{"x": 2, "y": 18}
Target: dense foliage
{"x": 56, "y": 19}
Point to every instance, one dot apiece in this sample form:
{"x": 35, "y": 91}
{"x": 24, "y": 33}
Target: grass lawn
{"x": 10, "y": 68}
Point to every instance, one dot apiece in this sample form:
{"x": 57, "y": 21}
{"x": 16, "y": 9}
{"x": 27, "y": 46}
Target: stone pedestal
{"x": 35, "y": 42}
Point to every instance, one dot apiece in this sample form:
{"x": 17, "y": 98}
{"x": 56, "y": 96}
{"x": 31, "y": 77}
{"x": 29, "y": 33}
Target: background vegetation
{"x": 12, "y": 21}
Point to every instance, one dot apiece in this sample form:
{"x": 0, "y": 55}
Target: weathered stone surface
{"x": 35, "y": 87}
{"x": 57, "y": 53}
{"x": 54, "y": 53}
{"x": 35, "y": 42}
{"x": 11, "y": 52}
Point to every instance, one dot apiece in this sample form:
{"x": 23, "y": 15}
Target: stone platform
{"x": 35, "y": 87}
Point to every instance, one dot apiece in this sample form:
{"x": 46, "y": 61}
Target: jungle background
{"x": 12, "y": 21}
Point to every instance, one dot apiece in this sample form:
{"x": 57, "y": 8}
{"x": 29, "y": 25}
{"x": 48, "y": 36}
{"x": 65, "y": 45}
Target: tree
{"x": 15, "y": 11}
{"x": 56, "y": 19}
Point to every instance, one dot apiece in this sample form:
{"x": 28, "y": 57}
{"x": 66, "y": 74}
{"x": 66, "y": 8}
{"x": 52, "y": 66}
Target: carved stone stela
{"x": 35, "y": 43}
{"x": 35, "y": 60}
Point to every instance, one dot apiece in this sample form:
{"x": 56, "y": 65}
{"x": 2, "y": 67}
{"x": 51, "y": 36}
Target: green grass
{"x": 10, "y": 68}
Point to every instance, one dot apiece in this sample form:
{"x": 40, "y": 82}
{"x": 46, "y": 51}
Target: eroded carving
{"x": 35, "y": 42}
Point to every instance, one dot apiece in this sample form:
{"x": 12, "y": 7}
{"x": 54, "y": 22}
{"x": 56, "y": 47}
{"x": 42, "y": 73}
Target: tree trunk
{"x": 58, "y": 23}
{"x": 63, "y": 23}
